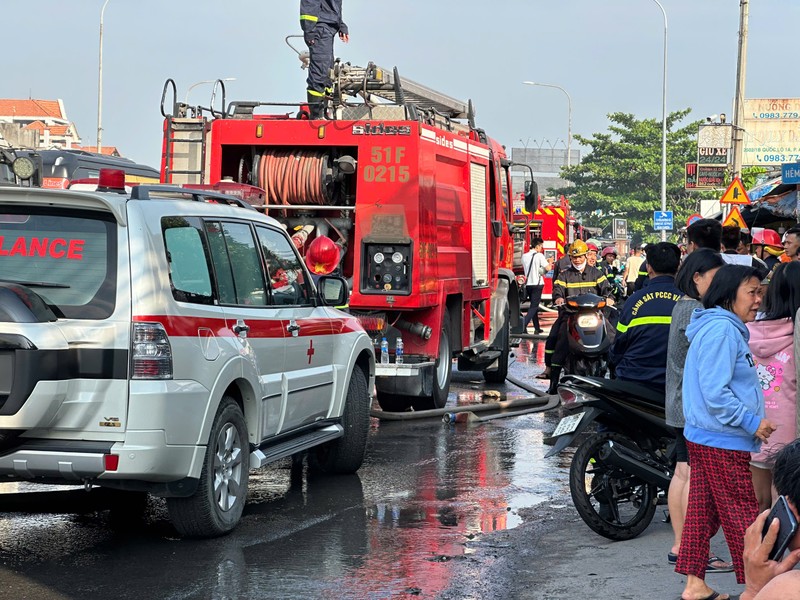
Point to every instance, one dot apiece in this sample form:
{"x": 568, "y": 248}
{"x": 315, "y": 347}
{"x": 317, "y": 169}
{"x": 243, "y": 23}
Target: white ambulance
{"x": 167, "y": 341}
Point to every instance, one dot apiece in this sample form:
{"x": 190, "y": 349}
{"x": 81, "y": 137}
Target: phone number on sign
{"x": 777, "y": 158}
{"x": 776, "y": 115}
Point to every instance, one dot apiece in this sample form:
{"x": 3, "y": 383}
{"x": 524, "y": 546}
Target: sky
{"x": 607, "y": 54}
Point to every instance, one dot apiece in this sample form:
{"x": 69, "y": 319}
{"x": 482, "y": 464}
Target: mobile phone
{"x": 784, "y": 514}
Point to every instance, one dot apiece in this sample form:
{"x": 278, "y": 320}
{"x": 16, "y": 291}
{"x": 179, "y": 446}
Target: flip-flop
{"x": 728, "y": 568}
{"x": 713, "y": 596}
{"x": 710, "y": 568}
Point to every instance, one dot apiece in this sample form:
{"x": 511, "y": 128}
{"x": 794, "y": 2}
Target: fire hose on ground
{"x": 538, "y": 401}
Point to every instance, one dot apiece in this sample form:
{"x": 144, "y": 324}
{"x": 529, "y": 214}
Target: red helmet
{"x": 591, "y": 247}
{"x": 767, "y": 237}
{"x": 608, "y": 250}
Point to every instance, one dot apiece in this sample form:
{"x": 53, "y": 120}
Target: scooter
{"x": 590, "y": 335}
{"x": 621, "y": 472}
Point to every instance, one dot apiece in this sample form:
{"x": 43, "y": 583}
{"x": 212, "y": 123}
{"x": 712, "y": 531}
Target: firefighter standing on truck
{"x": 321, "y": 20}
{"x": 579, "y": 278}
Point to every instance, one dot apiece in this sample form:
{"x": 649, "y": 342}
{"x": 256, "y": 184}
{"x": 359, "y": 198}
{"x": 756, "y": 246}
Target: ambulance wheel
{"x": 345, "y": 454}
{"x": 217, "y": 504}
{"x": 442, "y": 371}
{"x": 499, "y": 373}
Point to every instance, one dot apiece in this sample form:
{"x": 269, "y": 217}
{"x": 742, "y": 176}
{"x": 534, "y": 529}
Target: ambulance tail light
{"x": 110, "y": 462}
{"x": 151, "y": 353}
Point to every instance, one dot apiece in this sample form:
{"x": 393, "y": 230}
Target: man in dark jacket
{"x": 579, "y": 278}
{"x": 321, "y": 20}
{"x": 639, "y": 352}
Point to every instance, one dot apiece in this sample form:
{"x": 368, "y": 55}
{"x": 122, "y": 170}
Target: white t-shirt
{"x": 539, "y": 263}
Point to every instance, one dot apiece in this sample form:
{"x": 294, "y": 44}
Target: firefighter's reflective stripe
{"x": 580, "y": 284}
{"x": 644, "y": 321}
{"x": 315, "y": 93}
{"x": 309, "y": 18}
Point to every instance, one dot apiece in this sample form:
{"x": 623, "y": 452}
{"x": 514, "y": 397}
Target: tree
{"x": 621, "y": 175}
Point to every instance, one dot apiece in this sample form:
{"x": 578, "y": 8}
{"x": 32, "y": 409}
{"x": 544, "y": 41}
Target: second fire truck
{"x": 399, "y": 192}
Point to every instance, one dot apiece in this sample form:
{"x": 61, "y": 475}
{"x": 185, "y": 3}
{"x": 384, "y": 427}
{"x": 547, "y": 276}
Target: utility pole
{"x": 738, "y": 106}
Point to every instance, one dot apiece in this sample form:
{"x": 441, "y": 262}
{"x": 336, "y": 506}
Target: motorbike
{"x": 590, "y": 335}
{"x": 621, "y": 471}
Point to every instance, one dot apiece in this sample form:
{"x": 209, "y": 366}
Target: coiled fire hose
{"x": 291, "y": 176}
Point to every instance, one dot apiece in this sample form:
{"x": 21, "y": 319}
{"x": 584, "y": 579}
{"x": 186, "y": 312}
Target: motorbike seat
{"x": 633, "y": 391}
{"x": 636, "y": 391}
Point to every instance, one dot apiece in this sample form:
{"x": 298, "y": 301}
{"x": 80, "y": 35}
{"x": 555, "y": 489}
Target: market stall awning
{"x": 772, "y": 202}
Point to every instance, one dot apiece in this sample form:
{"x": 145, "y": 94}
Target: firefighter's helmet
{"x": 608, "y": 250}
{"x": 767, "y": 237}
{"x": 578, "y": 248}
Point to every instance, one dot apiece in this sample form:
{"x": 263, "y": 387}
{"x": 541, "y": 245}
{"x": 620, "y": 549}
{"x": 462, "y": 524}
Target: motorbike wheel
{"x": 612, "y": 503}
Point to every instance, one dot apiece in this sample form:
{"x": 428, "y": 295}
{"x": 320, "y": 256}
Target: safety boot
{"x": 316, "y": 106}
{"x": 555, "y": 376}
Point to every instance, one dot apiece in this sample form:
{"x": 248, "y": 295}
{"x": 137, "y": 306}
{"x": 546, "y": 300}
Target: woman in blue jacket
{"x": 724, "y": 410}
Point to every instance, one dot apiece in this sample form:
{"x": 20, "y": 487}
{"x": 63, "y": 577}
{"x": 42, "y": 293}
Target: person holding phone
{"x": 768, "y": 579}
{"x": 724, "y": 411}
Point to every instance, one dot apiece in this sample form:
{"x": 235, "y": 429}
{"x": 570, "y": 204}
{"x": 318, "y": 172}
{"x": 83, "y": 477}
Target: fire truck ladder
{"x": 372, "y": 82}
{"x": 185, "y": 147}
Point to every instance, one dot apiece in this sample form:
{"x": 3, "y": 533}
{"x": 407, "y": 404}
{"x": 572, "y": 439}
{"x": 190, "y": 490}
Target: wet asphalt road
{"x": 394, "y": 530}
{"x": 446, "y": 512}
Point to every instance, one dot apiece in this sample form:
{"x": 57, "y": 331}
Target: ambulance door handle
{"x": 241, "y": 328}
{"x": 293, "y": 328}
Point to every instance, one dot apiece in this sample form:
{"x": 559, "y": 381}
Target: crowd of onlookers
{"x": 725, "y": 307}
{"x": 729, "y": 375}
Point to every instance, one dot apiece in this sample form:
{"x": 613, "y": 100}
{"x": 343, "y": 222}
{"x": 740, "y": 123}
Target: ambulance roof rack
{"x": 387, "y": 84}
{"x": 142, "y": 192}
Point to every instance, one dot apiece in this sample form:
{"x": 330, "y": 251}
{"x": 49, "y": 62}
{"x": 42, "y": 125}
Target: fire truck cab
{"x": 398, "y": 191}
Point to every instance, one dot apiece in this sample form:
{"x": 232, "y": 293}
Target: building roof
{"x": 55, "y": 130}
{"x": 105, "y": 150}
{"x": 32, "y": 108}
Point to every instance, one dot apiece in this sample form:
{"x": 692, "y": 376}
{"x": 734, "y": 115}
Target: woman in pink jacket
{"x": 771, "y": 344}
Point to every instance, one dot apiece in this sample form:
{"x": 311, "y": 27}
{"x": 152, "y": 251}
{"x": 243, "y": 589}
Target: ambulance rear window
{"x": 68, "y": 257}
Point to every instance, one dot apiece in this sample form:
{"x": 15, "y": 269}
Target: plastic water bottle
{"x": 384, "y": 352}
{"x": 398, "y": 351}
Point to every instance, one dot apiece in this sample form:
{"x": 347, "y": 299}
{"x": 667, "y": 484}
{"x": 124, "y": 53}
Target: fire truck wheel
{"x": 217, "y": 504}
{"x": 442, "y": 371}
{"x": 345, "y": 454}
{"x": 498, "y": 374}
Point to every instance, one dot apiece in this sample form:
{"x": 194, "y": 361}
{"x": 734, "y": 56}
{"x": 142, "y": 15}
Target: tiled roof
{"x": 31, "y": 108}
{"x": 107, "y": 150}
{"x": 57, "y": 130}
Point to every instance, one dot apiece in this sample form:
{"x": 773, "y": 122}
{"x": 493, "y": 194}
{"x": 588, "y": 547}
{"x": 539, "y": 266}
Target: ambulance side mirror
{"x": 333, "y": 290}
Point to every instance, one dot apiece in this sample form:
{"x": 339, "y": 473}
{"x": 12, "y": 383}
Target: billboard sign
{"x": 771, "y": 131}
{"x": 704, "y": 177}
{"x": 714, "y": 142}
{"x": 620, "y": 229}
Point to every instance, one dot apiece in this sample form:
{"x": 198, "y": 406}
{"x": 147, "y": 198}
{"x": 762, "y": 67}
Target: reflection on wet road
{"x": 425, "y": 490}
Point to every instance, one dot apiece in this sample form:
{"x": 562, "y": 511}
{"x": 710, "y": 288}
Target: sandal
{"x": 725, "y": 567}
{"x": 543, "y": 375}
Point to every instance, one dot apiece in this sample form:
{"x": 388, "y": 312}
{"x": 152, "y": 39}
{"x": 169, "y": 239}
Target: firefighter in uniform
{"x": 579, "y": 278}
{"x": 639, "y": 350}
{"x": 561, "y": 264}
{"x": 321, "y": 20}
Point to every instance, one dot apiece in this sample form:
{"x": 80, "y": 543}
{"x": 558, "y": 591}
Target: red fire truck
{"x": 399, "y": 192}
{"x": 553, "y": 222}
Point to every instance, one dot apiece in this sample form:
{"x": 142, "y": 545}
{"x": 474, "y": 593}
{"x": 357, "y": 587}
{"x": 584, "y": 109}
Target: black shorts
{"x": 681, "y": 452}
